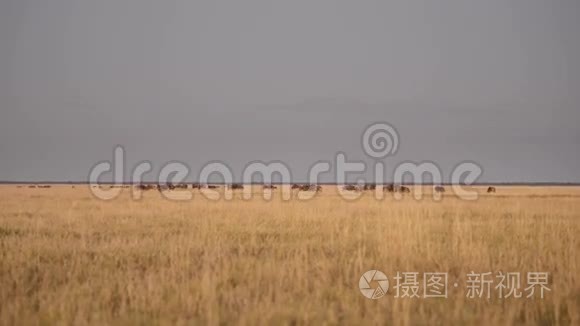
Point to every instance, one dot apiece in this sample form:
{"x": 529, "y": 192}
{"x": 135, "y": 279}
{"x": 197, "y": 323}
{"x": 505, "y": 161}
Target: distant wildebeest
{"x": 490, "y": 189}
{"x": 31, "y": 186}
{"x": 350, "y": 187}
{"x": 196, "y": 186}
{"x": 163, "y": 187}
{"x": 144, "y": 186}
{"x": 298, "y": 186}
{"x": 212, "y": 186}
{"x": 44, "y": 186}
{"x": 439, "y": 189}
{"x": 393, "y": 188}
{"x": 235, "y": 186}
{"x": 369, "y": 187}
{"x": 310, "y": 187}
{"x": 404, "y": 189}
{"x": 389, "y": 188}
{"x": 269, "y": 187}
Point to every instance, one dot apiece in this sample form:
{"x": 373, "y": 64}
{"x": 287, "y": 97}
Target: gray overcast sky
{"x": 495, "y": 81}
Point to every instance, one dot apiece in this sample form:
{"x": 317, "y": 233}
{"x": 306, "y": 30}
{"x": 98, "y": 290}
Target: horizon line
{"x": 516, "y": 183}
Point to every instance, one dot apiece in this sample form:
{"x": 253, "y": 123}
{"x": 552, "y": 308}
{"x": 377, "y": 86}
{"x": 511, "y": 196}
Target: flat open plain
{"x": 68, "y": 257}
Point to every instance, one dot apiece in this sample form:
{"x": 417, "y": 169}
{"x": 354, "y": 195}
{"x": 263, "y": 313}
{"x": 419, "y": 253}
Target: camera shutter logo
{"x": 379, "y": 290}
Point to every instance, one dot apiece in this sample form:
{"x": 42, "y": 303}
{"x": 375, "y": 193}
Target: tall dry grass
{"x": 66, "y": 257}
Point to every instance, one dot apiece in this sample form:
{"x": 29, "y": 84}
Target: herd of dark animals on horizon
{"x": 300, "y": 187}
{"x": 307, "y": 187}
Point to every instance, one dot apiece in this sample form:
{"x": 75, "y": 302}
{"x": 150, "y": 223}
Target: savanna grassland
{"x": 69, "y": 258}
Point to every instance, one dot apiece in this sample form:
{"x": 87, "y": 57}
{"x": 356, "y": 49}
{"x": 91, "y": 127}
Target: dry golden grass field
{"x": 69, "y": 258}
